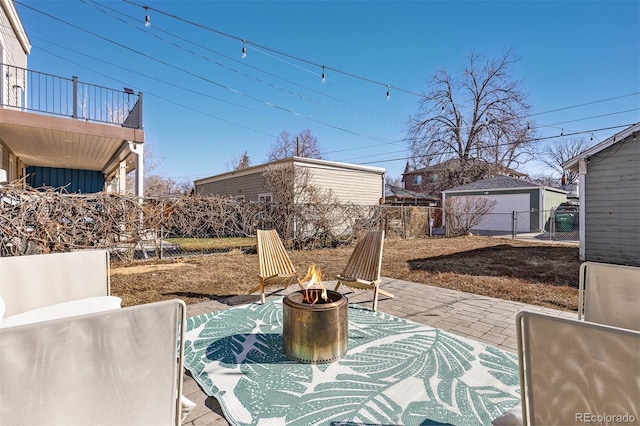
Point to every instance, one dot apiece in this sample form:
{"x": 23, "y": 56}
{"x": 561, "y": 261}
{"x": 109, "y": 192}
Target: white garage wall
{"x": 501, "y": 217}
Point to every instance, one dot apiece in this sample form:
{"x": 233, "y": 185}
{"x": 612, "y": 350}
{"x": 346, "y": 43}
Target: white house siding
{"x": 612, "y": 204}
{"x": 14, "y": 52}
{"x": 14, "y": 46}
{"x": 247, "y": 185}
{"x": 349, "y": 185}
{"x": 348, "y": 182}
{"x": 501, "y": 217}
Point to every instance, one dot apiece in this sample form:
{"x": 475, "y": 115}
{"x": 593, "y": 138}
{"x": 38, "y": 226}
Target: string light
{"x": 562, "y": 132}
{"x": 244, "y": 49}
{"x": 388, "y": 91}
{"x": 324, "y": 77}
{"x": 147, "y": 21}
{"x": 591, "y": 137}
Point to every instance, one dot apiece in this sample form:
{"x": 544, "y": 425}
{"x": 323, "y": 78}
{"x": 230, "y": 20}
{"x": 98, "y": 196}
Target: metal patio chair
{"x": 609, "y": 294}
{"x": 570, "y": 369}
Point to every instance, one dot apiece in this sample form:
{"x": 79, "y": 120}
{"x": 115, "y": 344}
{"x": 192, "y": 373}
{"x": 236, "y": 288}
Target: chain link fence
{"x": 47, "y": 221}
{"x": 561, "y": 224}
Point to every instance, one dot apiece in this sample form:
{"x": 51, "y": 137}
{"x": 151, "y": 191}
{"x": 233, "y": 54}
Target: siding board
{"x": 349, "y": 183}
{"x": 612, "y": 204}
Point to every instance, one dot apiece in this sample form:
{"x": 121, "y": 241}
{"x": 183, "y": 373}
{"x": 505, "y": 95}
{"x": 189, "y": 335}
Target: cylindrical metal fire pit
{"x": 315, "y": 333}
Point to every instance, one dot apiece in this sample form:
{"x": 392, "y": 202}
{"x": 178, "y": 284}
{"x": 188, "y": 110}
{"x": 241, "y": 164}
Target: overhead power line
{"x": 208, "y": 80}
{"x": 246, "y": 42}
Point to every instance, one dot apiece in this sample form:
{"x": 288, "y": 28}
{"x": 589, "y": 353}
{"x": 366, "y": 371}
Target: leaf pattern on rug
{"x": 395, "y": 371}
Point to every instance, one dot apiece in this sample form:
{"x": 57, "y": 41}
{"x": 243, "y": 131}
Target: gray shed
{"x": 529, "y": 200}
{"x": 609, "y": 192}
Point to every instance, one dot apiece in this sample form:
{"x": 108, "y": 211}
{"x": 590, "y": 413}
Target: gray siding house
{"x": 609, "y": 191}
{"x": 349, "y": 182}
{"x": 529, "y": 200}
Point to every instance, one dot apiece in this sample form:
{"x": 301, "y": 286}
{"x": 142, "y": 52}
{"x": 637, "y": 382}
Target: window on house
{"x": 239, "y": 197}
{"x": 434, "y": 177}
{"x": 266, "y": 197}
{"x": 417, "y": 179}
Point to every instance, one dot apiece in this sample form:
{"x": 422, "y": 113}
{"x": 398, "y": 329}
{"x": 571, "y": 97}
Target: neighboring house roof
{"x": 498, "y": 183}
{"x": 301, "y": 161}
{"x": 452, "y": 163}
{"x": 396, "y": 191}
{"x": 572, "y": 164}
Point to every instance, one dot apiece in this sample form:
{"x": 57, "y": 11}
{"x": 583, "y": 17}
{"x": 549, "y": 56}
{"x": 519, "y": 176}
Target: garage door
{"x": 501, "y": 216}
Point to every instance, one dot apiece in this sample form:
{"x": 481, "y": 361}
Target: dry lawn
{"x": 535, "y": 273}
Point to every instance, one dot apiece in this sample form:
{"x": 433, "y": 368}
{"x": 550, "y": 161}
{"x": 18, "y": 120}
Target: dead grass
{"x": 534, "y": 273}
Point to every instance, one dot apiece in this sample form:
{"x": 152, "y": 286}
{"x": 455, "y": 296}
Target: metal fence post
{"x": 74, "y": 79}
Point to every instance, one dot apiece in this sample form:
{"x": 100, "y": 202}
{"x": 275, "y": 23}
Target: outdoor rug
{"x": 395, "y": 372}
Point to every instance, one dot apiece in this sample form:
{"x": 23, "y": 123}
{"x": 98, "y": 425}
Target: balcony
{"x": 62, "y": 123}
{"x": 43, "y": 93}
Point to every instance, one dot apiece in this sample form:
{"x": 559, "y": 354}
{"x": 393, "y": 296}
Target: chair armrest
{"x": 63, "y": 310}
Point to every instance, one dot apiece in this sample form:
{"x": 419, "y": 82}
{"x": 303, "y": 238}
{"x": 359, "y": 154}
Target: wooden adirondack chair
{"x": 276, "y": 268}
{"x": 362, "y": 271}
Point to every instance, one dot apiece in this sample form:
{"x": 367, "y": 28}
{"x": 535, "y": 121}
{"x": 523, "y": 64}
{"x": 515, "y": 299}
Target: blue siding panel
{"x": 74, "y": 180}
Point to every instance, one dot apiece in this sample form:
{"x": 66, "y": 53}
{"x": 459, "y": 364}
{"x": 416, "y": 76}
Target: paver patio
{"x": 481, "y": 318}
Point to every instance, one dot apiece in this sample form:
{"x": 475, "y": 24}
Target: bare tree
{"x": 480, "y": 115}
{"x": 286, "y": 145}
{"x": 464, "y": 213}
{"x": 301, "y": 210}
{"x": 393, "y": 181}
{"x": 241, "y": 163}
{"x": 557, "y": 153}
{"x": 158, "y": 186}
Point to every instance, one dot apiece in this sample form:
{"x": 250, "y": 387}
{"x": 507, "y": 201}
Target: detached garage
{"x": 529, "y": 200}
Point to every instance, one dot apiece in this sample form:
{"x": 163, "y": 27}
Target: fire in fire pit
{"x": 315, "y": 322}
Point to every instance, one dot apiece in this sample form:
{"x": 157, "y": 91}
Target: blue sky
{"x": 204, "y": 105}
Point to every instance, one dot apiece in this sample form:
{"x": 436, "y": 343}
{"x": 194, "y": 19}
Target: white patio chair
{"x": 118, "y": 367}
{"x": 35, "y": 281}
{"x": 609, "y": 294}
{"x": 571, "y": 370}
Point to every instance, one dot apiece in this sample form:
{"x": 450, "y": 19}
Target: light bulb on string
{"x": 562, "y": 132}
{"x": 591, "y": 137}
{"x": 324, "y": 77}
{"x": 244, "y": 49}
{"x": 147, "y": 21}
{"x": 388, "y": 91}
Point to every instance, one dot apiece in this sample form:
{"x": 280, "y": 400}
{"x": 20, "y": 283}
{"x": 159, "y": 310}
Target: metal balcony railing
{"x": 34, "y": 91}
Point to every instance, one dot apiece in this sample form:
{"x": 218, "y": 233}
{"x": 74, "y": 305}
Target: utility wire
{"x": 276, "y": 51}
{"x": 101, "y": 8}
{"x": 161, "y": 97}
{"x": 208, "y": 80}
{"x": 531, "y": 140}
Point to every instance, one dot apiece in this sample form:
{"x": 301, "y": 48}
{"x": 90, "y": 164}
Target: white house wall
{"x": 501, "y": 217}
{"x": 355, "y": 186}
{"x": 348, "y": 183}
{"x": 247, "y": 186}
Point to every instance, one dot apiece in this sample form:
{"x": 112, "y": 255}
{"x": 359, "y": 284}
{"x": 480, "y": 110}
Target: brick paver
{"x": 484, "y": 319}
